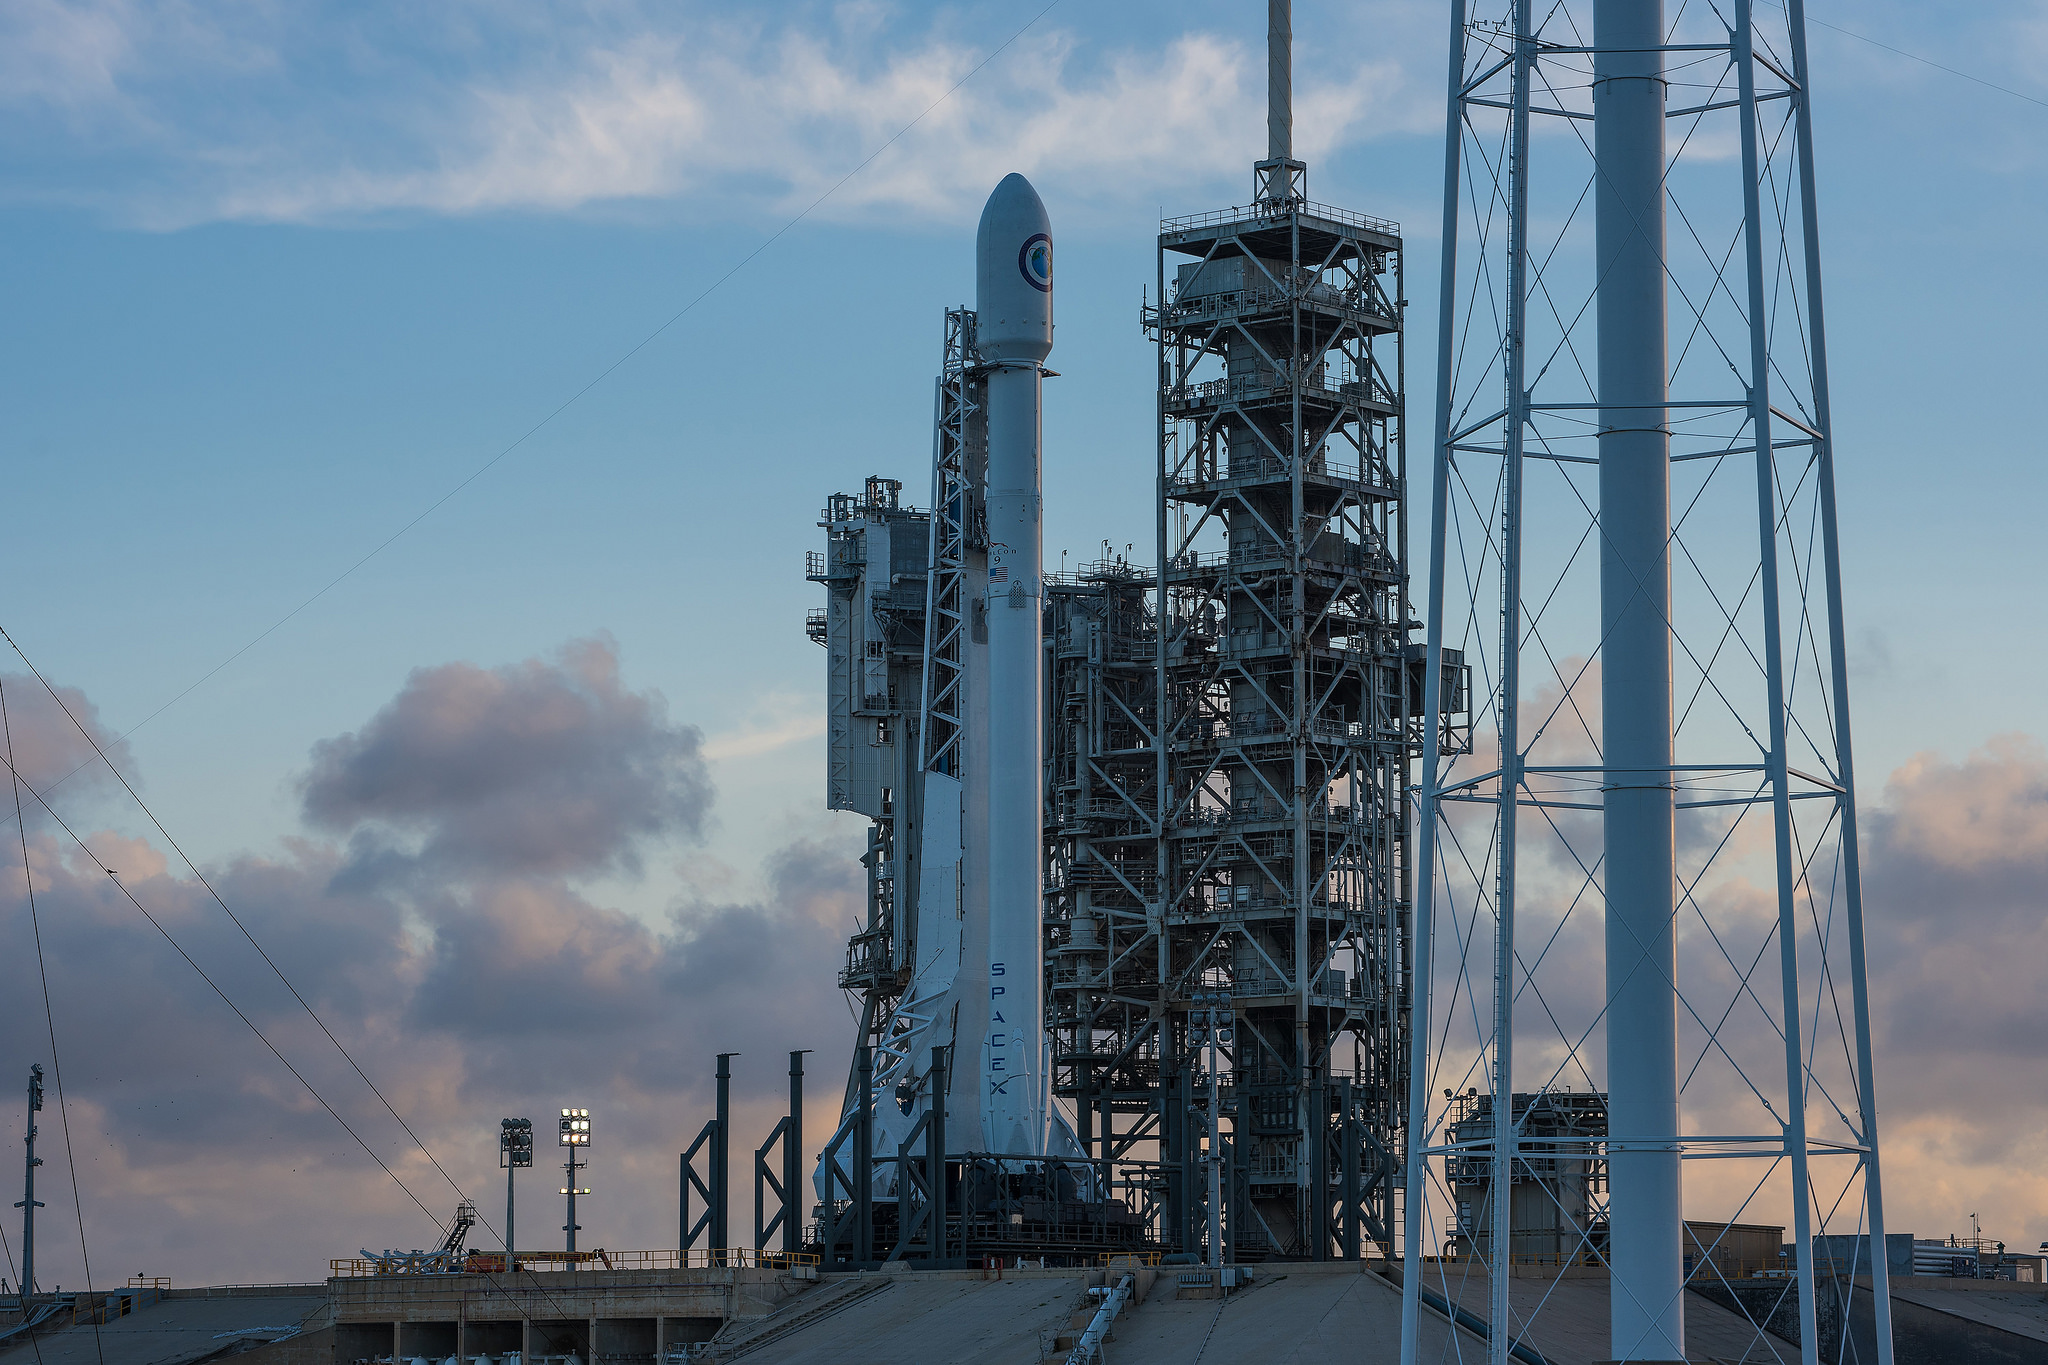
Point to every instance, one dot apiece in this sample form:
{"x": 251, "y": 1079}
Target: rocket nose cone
{"x": 1013, "y": 273}
{"x": 1012, "y": 198}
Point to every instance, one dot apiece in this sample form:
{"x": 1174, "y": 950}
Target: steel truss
{"x": 1773, "y": 1055}
{"x": 1289, "y": 699}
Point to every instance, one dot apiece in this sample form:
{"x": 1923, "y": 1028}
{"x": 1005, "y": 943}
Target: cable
{"x": 20, "y": 1296}
{"x": 1916, "y": 57}
{"x": 601, "y": 376}
{"x": 179, "y": 948}
{"x": 236, "y": 919}
{"x": 50, "y": 1020}
{"x": 22, "y": 783}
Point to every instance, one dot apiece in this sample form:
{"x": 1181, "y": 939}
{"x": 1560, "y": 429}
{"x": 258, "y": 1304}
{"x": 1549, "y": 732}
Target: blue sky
{"x": 278, "y": 277}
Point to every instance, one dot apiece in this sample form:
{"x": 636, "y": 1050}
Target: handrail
{"x": 733, "y": 1258}
{"x": 1254, "y": 213}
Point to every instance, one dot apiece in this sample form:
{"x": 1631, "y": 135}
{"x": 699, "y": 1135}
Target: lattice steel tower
{"x": 1634, "y": 541}
{"x": 1284, "y": 679}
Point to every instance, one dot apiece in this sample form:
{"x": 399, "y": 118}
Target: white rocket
{"x": 977, "y": 987}
{"x": 1013, "y": 301}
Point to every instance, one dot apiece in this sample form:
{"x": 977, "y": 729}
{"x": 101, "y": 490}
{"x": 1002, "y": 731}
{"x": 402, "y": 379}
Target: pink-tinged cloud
{"x": 549, "y": 767}
{"x": 434, "y": 927}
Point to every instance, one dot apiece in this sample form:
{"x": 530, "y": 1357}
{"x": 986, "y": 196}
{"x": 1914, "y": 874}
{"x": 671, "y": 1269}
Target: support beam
{"x": 1647, "y": 1316}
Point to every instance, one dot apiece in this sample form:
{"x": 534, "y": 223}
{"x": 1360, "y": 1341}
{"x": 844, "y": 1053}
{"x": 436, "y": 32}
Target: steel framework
{"x": 1633, "y": 538}
{"x": 1291, "y": 705}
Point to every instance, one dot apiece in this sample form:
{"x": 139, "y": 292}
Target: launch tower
{"x": 1290, "y": 695}
{"x": 1226, "y": 746}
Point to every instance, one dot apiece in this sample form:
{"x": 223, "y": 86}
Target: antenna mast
{"x": 29, "y": 1203}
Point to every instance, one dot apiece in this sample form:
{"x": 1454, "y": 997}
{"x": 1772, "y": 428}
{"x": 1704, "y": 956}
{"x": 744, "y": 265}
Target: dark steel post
{"x": 571, "y": 1227}
{"x": 1416, "y": 1121}
{"x": 935, "y": 1150}
{"x": 721, "y": 1169}
{"x": 793, "y": 1156}
{"x": 29, "y": 1203}
{"x": 1349, "y": 1136}
{"x": 1318, "y": 1220}
{"x": 864, "y": 1160}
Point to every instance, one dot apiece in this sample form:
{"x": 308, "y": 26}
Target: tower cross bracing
{"x": 1638, "y": 873}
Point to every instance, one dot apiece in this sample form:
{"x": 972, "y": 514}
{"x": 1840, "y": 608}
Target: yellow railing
{"x": 744, "y": 1258}
{"x": 106, "y": 1307}
{"x": 1118, "y": 1259}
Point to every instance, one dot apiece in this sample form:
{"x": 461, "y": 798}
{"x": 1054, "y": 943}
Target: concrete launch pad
{"x": 1291, "y": 1312}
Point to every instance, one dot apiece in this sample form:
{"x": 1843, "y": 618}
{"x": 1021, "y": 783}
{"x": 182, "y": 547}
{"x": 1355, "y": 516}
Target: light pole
{"x": 515, "y": 1150}
{"x": 575, "y": 1136}
{"x": 29, "y": 1203}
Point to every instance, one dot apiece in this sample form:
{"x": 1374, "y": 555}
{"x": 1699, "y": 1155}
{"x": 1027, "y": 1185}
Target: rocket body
{"x": 1013, "y": 302}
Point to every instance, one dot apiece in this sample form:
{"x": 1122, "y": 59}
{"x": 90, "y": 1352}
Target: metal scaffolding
{"x": 1291, "y": 699}
{"x": 1228, "y": 746}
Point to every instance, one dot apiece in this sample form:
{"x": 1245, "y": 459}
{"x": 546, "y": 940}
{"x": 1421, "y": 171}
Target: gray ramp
{"x": 174, "y": 1331}
{"x": 2020, "y": 1309}
{"x": 929, "y": 1320}
{"x": 1571, "y": 1327}
{"x": 1291, "y": 1315}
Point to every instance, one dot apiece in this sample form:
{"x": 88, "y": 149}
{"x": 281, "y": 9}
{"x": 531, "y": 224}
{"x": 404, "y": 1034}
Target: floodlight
{"x": 515, "y": 1143}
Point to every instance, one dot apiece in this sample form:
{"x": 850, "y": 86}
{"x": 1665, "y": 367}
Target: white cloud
{"x": 259, "y": 116}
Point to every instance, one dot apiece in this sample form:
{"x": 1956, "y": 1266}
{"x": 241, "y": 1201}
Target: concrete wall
{"x": 626, "y": 1317}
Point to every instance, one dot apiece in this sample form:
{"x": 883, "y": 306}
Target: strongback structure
{"x": 1226, "y": 748}
{"x": 1634, "y": 540}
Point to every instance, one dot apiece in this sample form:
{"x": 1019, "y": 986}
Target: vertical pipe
{"x": 1845, "y": 771}
{"x": 1398, "y": 940}
{"x": 1279, "y": 95}
{"x": 1318, "y": 1223}
{"x": 1647, "y": 1315}
{"x": 1215, "y": 1149}
{"x": 1414, "y": 1173}
{"x": 1500, "y": 1185}
{"x": 793, "y": 1155}
{"x": 1353, "y": 1247}
{"x": 1084, "y": 1105}
{"x": 1171, "y": 1063}
{"x": 935, "y": 1150}
{"x": 864, "y": 1158}
{"x": 1780, "y": 778}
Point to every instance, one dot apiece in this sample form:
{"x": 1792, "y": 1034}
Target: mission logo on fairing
{"x": 1035, "y": 260}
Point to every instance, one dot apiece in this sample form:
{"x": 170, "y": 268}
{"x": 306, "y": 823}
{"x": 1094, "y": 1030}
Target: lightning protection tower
{"x": 1633, "y": 541}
